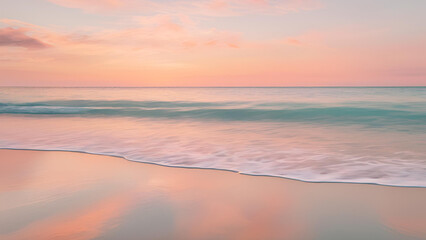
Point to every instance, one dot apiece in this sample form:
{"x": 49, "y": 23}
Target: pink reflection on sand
{"x": 86, "y": 223}
{"x": 200, "y": 204}
{"x": 408, "y": 219}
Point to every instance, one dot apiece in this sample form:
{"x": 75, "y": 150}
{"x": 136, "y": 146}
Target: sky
{"x": 154, "y": 43}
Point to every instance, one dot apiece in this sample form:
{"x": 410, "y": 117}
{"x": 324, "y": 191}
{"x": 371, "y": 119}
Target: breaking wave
{"x": 377, "y": 114}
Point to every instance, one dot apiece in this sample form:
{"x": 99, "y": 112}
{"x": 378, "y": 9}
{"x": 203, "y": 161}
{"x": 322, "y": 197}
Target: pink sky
{"x": 212, "y": 43}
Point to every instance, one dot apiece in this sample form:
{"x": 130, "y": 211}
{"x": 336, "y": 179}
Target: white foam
{"x": 302, "y": 151}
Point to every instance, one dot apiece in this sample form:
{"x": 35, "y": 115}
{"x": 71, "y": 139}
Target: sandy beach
{"x": 67, "y": 195}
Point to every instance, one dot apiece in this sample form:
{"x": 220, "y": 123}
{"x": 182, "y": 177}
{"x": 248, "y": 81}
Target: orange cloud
{"x": 293, "y": 41}
{"x": 93, "y": 6}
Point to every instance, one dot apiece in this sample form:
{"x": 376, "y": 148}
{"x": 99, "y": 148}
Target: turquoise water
{"x": 368, "y": 135}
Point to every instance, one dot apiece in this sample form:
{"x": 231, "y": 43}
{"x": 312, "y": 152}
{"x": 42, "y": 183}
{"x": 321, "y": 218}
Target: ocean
{"x": 363, "y": 135}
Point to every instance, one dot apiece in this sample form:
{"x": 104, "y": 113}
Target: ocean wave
{"x": 365, "y": 135}
{"x": 367, "y": 114}
{"x": 116, "y": 103}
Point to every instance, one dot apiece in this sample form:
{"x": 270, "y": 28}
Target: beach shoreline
{"x": 206, "y": 168}
{"x": 46, "y": 194}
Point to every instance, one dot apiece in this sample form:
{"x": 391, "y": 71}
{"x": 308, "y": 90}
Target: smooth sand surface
{"x": 65, "y": 195}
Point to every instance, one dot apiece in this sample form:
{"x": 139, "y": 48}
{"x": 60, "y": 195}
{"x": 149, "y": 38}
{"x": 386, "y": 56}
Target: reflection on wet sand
{"x": 61, "y": 195}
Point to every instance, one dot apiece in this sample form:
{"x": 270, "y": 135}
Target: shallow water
{"x": 368, "y": 135}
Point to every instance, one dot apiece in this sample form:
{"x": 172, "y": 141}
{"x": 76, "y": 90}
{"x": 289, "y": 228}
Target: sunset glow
{"x": 212, "y": 43}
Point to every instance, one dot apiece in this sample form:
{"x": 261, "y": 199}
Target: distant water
{"x": 367, "y": 135}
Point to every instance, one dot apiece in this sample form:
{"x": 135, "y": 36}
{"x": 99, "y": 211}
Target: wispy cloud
{"x": 145, "y": 41}
{"x": 189, "y": 7}
{"x": 17, "y": 37}
{"x": 209, "y": 42}
{"x": 96, "y": 5}
{"x": 157, "y": 31}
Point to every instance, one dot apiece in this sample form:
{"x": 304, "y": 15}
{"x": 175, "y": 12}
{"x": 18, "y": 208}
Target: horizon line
{"x": 402, "y": 86}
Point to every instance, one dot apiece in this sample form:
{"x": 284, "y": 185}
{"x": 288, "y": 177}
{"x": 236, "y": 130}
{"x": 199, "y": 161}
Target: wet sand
{"x": 66, "y": 195}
